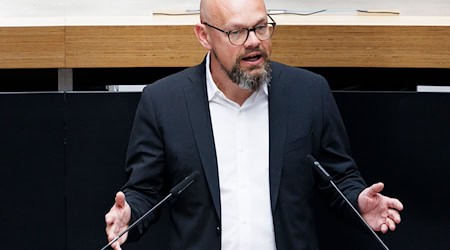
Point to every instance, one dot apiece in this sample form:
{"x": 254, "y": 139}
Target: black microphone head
{"x": 318, "y": 166}
{"x": 311, "y": 158}
{"x": 180, "y": 187}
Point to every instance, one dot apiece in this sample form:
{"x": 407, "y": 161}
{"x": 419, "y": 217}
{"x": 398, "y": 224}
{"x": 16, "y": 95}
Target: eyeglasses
{"x": 239, "y": 36}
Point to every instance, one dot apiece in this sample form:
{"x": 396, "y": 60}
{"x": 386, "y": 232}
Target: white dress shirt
{"x": 241, "y": 136}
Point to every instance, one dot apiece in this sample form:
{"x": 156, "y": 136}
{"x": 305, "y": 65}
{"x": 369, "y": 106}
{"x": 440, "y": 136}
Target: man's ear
{"x": 202, "y": 35}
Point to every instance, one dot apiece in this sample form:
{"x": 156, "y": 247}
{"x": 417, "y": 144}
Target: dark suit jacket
{"x": 172, "y": 137}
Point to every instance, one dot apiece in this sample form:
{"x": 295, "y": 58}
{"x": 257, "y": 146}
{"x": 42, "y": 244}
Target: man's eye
{"x": 235, "y": 32}
{"x": 260, "y": 27}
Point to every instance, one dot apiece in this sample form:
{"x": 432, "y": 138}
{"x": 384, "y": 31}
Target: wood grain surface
{"x": 32, "y": 47}
{"x": 177, "y": 46}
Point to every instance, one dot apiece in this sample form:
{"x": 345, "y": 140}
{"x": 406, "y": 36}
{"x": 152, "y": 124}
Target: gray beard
{"x": 247, "y": 81}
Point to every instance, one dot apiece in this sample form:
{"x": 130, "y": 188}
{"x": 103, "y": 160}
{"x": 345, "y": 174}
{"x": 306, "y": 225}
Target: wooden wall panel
{"x": 363, "y": 46}
{"x": 132, "y": 46}
{"x": 32, "y": 47}
{"x": 177, "y": 46}
{"x": 301, "y": 46}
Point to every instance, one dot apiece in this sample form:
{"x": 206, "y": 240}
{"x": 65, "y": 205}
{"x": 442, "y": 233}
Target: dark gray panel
{"x": 403, "y": 139}
{"x": 32, "y": 171}
{"x": 98, "y": 127}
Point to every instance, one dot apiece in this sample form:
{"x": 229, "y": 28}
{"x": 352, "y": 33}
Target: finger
{"x": 391, "y": 224}
{"x": 395, "y": 203}
{"x": 111, "y": 237}
{"x": 394, "y": 215}
{"x": 116, "y": 246}
{"x": 384, "y": 228}
{"x": 117, "y": 229}
{"x": 120, "y": 199}
{"x": 376, "y": 188}
{"x": 111, "y": 233}
{"x": 109, "y": 219}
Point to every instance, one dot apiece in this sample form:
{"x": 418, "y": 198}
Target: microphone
{"x": 328, "y": 177}
{"x": 182, "y": 185}
{"x": 174, "y": 192}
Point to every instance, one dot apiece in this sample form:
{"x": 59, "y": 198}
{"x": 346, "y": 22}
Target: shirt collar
{"x": 210, "y": 84}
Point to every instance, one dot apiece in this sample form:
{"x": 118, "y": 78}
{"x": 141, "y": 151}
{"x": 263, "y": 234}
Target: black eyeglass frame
{"x": 273, "y": 23}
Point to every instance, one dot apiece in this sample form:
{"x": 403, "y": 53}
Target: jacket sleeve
{"x": 144, "y": 164}
{"x": 334, "y": 154}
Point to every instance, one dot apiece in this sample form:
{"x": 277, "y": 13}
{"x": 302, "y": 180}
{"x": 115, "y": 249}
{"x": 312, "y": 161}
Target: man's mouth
{"x": 252, "y": 58}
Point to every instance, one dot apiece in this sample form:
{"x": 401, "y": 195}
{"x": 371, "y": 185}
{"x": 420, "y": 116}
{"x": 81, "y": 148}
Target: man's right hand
{"x": 117, "y": 220}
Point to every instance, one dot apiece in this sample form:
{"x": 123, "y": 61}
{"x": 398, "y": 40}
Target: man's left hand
{"x": 379, "y": 211}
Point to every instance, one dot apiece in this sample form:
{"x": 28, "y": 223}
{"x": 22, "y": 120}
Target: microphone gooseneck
{"x": 175, "y": 191}
{"x": 328, "y": 177}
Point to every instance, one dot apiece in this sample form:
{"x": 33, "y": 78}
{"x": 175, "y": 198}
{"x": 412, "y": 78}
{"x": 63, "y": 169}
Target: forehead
{"x": 238, "y": 13}
{"x": 246, "y": 22}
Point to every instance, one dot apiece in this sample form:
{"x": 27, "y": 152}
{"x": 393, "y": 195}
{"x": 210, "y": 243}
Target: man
{"x": 246, "y": 124}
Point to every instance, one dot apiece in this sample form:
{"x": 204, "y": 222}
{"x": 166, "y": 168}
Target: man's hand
{"x": 379, "y": 211}
{"x": 117, "y": 220}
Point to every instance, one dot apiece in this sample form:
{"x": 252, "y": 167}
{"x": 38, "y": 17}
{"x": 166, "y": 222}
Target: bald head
{"x": 237, "y": 69}
{"x": 225, "y": 11}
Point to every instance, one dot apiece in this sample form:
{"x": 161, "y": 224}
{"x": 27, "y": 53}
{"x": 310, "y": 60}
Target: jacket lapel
{"x": 198, "y": 108}
{"x": 278, "y": 114}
